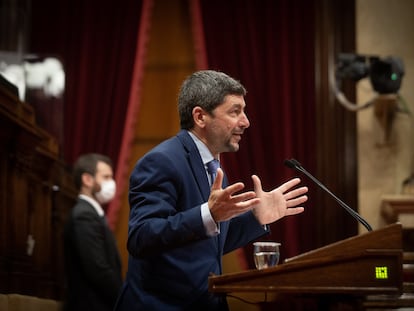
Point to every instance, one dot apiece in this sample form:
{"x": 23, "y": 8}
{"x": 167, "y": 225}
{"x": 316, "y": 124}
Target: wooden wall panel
{"x": 336, "y": 132}
{"x": 32, "y": 178}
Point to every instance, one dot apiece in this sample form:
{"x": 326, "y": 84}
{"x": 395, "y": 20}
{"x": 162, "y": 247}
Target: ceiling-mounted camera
{"x": 385, "y": 74}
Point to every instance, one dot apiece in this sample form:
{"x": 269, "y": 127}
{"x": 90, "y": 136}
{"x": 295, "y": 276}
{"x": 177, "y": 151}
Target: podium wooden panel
{"x": 370, "y": 263}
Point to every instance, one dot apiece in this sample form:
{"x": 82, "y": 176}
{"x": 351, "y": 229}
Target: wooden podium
{"x": 367, "y": 264}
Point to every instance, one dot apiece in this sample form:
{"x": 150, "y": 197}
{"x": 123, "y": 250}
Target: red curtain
{"x": 269, "y": 47}
{"x": 122, "y": 173}
{"x": 97, "y": 42}
{"x": 103, "y": 53}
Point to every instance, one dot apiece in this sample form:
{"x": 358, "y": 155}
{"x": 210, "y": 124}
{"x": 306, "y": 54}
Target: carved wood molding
{"x": 392, "y": 206}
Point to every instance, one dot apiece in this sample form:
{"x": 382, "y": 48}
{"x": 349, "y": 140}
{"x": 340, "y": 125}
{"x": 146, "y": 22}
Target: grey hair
{"x": 206, "y": 89}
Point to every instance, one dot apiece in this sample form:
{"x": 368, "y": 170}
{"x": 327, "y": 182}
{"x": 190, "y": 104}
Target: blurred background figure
{"x": 93, "y": 267}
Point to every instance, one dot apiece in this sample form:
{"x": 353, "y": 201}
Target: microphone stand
{"x": 294, "y": 164}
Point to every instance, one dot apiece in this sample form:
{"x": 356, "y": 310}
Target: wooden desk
{"x": 395, "y": 206}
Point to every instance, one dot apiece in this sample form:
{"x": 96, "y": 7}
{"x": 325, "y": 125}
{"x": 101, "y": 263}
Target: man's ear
{"x": 87, "y": 180}
{"x": 199, "y": 116}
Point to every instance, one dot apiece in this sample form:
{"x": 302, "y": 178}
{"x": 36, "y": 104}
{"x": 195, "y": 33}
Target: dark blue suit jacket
{"x": 171, "y": 256}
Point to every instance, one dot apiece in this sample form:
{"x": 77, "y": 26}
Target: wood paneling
{"x": 36, "y": 192}
{"x": 336, "y": 132}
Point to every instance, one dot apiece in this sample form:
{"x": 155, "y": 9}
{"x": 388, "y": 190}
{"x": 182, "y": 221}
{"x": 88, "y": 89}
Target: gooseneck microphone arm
{"x": 294, "y": 164}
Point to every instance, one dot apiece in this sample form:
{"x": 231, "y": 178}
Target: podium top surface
{"x": 389, "y": 237}
{"x": 370, "y": 263}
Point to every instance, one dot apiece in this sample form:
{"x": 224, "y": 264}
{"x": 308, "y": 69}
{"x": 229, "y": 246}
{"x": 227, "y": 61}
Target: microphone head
{"x": 292, "y": 163}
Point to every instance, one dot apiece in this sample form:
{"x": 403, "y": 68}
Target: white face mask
{"x": 107, "y": 193}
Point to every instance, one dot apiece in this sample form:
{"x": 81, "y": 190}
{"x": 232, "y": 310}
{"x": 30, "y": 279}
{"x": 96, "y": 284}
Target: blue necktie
{"x": 212, "y": 167}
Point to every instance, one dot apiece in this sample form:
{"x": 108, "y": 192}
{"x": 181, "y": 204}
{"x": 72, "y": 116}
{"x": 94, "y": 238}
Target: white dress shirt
{"x": 212, "y": 228}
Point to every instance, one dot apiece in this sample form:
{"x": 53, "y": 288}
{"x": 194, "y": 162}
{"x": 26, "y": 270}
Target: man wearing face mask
{"x": 92, "y": 261}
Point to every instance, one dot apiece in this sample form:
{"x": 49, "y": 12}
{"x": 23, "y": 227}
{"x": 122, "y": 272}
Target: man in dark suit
{"x": 183, "y": 217}
{"x": 93, "y": 266}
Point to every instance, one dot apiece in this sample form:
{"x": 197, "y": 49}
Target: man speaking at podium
{"x": 184, "y": 216}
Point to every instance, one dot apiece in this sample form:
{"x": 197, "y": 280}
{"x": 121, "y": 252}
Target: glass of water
{"x": 266, "y": 254}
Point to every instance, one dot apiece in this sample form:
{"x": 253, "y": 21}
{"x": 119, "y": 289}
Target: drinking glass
{"x": 266, "y": 254}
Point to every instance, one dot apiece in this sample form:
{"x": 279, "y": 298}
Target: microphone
{"x": 294, "y": 164}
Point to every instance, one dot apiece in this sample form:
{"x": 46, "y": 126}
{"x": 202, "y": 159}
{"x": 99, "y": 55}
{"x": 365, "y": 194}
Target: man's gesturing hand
{"x": 225, "y": 204}
{"x": 280, "y": 202}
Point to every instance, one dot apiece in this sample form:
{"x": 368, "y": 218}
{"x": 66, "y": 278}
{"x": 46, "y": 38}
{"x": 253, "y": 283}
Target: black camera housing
{"x": 385, "y": 74}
